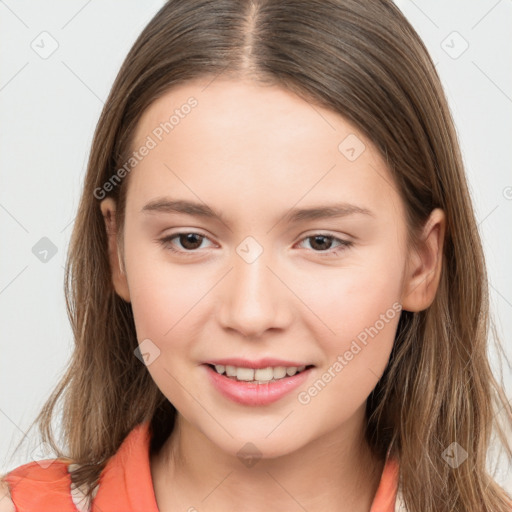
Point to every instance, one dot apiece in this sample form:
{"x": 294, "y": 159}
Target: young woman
{"x": 275, "y": 280}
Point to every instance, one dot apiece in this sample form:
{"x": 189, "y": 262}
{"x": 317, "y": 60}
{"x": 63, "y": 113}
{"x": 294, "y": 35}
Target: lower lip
{"x": 248, "y": 393}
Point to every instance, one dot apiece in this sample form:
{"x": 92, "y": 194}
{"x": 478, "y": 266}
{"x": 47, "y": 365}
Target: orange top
{"x": 125, "y": 483}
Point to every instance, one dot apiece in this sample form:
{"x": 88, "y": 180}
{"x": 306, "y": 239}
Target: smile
{"x": 256, "y": 386}
{"x": 257, "y": 375}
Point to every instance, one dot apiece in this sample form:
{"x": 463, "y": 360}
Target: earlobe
{"x": 424, "y": 266}
{"x": 119, "y": 281}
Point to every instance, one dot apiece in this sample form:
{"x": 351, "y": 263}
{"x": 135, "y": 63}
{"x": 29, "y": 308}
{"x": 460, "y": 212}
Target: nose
{"x": 254, "y": 299}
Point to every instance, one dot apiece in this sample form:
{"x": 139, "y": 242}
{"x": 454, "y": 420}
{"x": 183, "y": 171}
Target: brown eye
{"x": 189, "y": 242}
{"x": 323, "y": 244}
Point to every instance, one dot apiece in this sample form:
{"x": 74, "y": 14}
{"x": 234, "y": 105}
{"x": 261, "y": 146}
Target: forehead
{"x": 235, "y": 141}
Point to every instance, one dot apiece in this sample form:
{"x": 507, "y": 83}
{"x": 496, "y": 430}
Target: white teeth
{"x": 245, "y": 373}
{"x": 279, "y": 372}
{"x": 264, "y": 374}
{"x": 260, "y": 375}
{"x": 231, "y": 371}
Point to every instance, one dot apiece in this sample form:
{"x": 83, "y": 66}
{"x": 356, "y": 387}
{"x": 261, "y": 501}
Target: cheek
{"x": 359, "y": 309}
{"x": 364, "y": 319}
{"x": 166, "y": 304}
{"x": 356, "y": 296}
{"x": 164, "y": 296}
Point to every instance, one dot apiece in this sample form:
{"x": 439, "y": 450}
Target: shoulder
{"x": 42, "y": 485}
{"x": 6, "y": 503}
{"x": 43, "y": 471}
{"x": 47, "y": 485}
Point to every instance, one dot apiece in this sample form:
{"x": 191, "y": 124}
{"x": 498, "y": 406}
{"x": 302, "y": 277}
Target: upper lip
{"x": 259, "y": 363}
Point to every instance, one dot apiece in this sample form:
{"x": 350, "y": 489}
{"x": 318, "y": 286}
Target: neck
{"x": 336, "y": 471}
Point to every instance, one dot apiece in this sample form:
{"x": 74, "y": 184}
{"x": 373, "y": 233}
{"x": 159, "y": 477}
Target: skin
{"x": 254, "y": 152}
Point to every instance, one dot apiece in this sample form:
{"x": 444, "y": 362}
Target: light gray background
{"x": 49, "y": 108}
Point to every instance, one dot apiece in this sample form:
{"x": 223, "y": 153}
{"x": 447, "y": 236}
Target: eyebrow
{"x": 294, "y": 215}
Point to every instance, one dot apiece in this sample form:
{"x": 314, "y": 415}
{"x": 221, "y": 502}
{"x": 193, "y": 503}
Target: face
{"x": 273, "y": 280}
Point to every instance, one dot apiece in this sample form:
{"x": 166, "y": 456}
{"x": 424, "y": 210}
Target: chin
{"x": 248, "y": 444}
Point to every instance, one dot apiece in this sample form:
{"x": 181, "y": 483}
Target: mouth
{"x": 266, "y": 375}
{"x": 257, "y": 382}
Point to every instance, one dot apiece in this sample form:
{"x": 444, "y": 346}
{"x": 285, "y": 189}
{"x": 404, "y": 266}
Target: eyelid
{"x": 166, "y": 241}
{"x": 344, "y": 244}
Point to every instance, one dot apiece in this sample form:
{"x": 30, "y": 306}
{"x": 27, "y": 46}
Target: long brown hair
{"x": 364, "y": 61}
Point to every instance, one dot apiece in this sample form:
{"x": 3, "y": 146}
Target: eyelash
{"x": 344, "y": 244}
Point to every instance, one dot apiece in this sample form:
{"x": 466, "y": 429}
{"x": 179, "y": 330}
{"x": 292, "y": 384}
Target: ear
{"x": 423, "y": 268}
{"x": 108, "y": 210}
